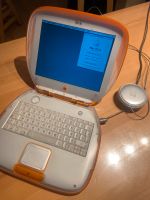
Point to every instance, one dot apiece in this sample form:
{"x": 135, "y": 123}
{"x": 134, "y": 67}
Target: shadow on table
{"x": 22, "y": 69}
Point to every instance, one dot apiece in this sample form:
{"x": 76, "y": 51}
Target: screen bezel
{"x": 73, "y": 91}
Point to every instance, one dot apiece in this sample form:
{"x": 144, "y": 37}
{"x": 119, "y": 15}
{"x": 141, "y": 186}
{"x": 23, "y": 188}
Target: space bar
{"x": 42, "y": 138}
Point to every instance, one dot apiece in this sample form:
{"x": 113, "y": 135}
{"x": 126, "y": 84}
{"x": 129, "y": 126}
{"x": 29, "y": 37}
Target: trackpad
{"x": 35, "y": 156}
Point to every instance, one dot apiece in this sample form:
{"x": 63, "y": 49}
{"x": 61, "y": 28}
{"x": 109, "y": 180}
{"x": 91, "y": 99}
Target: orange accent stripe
{"x": 28, "y": 172}
{"x": 58, "y": 96}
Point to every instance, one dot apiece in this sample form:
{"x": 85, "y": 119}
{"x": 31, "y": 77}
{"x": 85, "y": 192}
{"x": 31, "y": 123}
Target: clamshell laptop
{"x": 50, "y": 136}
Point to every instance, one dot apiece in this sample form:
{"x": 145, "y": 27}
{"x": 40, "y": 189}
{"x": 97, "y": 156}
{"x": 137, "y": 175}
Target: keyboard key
{"x": 83, "y": 152}
{"x": 71, "y": 134}
{"x": 81, "y": 125}
{"x": 88, "y": 127}
{"x": 80, "y": 143}
{"x": 66, "y": 139}
{"x": 61, "y": 137}
{"x": 77, "y": 135}
{"x": 83, "y": 131}
{"x": 59, "y": 143}
{"x": 72, "y": 141}
{"x": 82, "y": 138}
{"x": 71, "y": 148}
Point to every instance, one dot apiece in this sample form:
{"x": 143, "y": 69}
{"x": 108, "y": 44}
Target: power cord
{"x": 95, "y": 8}
{"x": 147, "y": 62}
{"x": 142, "y": 55}
{"x": 141, "y": 46}
{"x": 105, "y": 119}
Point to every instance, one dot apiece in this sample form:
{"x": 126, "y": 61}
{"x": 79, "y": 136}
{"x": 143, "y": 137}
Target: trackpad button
{"x": 35, "y": 156}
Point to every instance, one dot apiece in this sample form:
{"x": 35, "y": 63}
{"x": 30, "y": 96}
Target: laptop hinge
{"x": 64, "y": 98}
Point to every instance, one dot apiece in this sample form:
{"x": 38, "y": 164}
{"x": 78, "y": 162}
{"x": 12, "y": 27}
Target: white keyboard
{"x": 51, "y": 127}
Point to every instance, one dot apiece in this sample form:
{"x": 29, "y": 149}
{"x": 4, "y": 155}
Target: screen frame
{"x": 56, "y": 86}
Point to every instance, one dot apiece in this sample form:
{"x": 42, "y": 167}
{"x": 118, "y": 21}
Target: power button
{"x": 35, "y": 99}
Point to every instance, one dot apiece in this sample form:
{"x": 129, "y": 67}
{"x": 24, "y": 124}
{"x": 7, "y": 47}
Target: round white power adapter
{"x": 132, "y": 96}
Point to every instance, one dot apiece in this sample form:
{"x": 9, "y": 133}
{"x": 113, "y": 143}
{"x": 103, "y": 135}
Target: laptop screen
{"x": 73, "y": 55}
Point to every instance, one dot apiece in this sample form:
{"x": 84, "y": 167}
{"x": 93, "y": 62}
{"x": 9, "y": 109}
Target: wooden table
{"x": 122, "y": 171}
